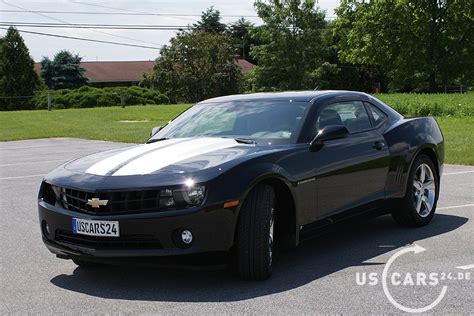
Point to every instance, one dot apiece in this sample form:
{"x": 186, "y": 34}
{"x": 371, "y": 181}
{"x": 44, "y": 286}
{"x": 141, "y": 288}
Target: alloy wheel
{"x": 270, "y": 237}
{"x": 424, "y": 190}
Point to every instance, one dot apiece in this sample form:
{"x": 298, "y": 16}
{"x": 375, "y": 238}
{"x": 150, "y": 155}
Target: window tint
{"x": 350, "y": 114}
{"x": 256, "y": 120}
{"x": 377, "y": 114}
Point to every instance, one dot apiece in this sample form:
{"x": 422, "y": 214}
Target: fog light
{"x": 46, "y": 230}
{"x": 186, "y": 237}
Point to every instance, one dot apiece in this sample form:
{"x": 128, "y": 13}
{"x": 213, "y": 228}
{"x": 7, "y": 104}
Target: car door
{"x": 351, "y": 171}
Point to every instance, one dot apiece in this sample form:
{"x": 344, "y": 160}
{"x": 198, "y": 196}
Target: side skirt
{"x": 321, "y": 226}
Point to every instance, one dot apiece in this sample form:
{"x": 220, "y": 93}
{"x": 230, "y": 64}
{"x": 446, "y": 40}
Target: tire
{"x": 254, "y": 235}
{"x": 418, "y": 206}
{"x": 85, "y": 264}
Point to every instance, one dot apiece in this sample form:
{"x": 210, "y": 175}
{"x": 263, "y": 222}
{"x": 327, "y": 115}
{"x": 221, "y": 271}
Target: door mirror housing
{"x": 155, "y": 130}
{"x": 327, "y": 133}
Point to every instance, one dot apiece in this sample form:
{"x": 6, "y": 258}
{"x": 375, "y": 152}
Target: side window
{"x": 376, "y": 113}
{"x": 351, "y": 114}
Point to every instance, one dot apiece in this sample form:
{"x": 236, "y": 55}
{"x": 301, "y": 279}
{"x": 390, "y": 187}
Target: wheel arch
{"x": 428, "y": 150}
{"x": 285, "y": 210}
{"x": 285, "y": 207}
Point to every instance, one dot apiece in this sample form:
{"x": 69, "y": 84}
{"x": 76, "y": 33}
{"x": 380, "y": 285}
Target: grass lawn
{"x": 458, "y": 135}
{"x": 130, "y": 124}
{"x": 134, "y": 123}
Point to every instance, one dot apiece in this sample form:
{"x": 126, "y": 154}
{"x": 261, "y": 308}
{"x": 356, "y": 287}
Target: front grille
{"x": 144, "y": 241}
{"x": 117, "y": 202}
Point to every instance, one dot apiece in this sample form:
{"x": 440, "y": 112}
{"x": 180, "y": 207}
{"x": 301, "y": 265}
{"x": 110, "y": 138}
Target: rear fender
{"x": 405, "y": 140}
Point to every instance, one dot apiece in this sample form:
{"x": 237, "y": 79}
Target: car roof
{"x": 315, "y": 97}
{"x": 296, "y": 96}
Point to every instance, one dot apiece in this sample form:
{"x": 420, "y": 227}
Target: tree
{"x": 420, "y": 44}
{"x": 210, "y": 22}
{"x": 335, "y": 74}
{"x": 63, "y": 72}
{"x": 241, "y": 31}
{"x": 195, "y": 66}
{"x": 18, "y": 78}
{"x": 291, "y": 48}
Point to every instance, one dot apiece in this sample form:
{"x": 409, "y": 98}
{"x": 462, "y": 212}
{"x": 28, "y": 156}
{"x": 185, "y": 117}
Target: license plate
{"x": 95, "y": 228}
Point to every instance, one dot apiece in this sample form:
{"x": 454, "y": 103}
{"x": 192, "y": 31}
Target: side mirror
{"x": 327, "y": 133}
{"x": 155, "y": 130}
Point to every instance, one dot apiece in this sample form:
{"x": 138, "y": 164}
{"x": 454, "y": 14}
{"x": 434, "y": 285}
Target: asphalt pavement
{"x": 324, "y": 275}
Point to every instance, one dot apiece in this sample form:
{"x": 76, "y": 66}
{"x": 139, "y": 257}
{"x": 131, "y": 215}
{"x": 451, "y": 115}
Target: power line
{"x": 62, "y": 21}
{"x": 136, "y": 13}
{"x": 124, "y": 13}
{"x": 106, "y": 7}
{"x": 84, "y": 39}
{"x": 123, "y": 10}
{"x": 99, "y": 26}
{"x": 96, "y": 24}
{"x": 129, "y": 27}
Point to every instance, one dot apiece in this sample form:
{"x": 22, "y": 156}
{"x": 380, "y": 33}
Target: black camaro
{"x": 242, "y": 175}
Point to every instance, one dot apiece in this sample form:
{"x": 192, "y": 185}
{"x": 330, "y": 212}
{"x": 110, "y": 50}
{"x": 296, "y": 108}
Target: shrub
{"x": 86, "y": 97}
{"x": 412, "y": 104}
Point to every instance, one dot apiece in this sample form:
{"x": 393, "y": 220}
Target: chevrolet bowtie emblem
{"x": 95, "y": 202}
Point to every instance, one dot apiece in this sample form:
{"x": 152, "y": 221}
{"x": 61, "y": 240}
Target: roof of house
{"x": 126, "y": 71}
{"x": 113, "y": 71}
{"x": 245, "y": 65}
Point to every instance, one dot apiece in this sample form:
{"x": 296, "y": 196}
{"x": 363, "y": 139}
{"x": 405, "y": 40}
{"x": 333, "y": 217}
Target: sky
{"x": 41, "y": 46}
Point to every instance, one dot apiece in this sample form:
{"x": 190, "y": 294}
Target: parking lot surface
{"x": 323, "y": 275}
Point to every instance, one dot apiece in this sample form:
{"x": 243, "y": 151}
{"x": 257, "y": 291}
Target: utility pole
{"x": 122, "y": 100}
{"x": 243, "y": 47}
{"x": 49, "y": 100}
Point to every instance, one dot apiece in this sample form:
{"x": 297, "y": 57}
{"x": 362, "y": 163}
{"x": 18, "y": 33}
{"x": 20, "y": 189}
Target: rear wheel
{"x": 418, "y": 206}
{"x": 255, "y": 234}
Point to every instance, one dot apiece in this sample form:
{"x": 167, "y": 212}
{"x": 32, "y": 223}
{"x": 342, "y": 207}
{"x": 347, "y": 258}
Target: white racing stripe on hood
{"x": 108, "y": 164}
{"x": 172, "y": 154}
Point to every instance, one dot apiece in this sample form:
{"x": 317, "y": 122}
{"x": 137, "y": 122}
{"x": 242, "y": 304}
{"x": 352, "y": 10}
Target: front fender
{"x": 237, "y": 182}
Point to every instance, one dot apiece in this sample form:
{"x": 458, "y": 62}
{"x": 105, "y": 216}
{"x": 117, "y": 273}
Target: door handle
{"x": 379, "y": 145}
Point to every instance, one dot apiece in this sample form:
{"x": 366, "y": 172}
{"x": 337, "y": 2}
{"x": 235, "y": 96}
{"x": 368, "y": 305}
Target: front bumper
{"x": 212, "y": 228}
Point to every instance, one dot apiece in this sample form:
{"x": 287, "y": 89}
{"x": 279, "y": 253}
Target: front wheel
{"x": 254, "y": 239}
{"x": 418, "y": 206}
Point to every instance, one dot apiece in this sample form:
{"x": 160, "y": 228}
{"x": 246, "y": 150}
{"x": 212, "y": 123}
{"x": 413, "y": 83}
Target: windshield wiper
{"x": 154, "y": 140}
{"x": 245, "y": 141}
{"x": 237, "y": 139}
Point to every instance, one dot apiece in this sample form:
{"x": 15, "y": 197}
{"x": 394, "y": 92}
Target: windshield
{"x": 257, "y": 120}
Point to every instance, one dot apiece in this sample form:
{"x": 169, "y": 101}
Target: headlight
{"x": 194, "y": 195}
{"x": 186, "y": 196}
{"x": 48, "y": 194}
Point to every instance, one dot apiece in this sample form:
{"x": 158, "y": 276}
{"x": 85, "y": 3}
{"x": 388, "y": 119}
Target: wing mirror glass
{"x": 327, "y": 133}
{"x": 155, "y": 130}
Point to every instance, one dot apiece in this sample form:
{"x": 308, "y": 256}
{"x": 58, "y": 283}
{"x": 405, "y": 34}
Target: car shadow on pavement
{"x": 339, "y": 248}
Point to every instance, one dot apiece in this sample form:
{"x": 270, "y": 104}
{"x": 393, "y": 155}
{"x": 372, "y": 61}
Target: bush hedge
{"x": 88, "y": 97}
{"x": 414, "y": 104}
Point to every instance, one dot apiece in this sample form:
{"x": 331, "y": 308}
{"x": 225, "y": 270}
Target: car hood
{"x": 166, "y": 157}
